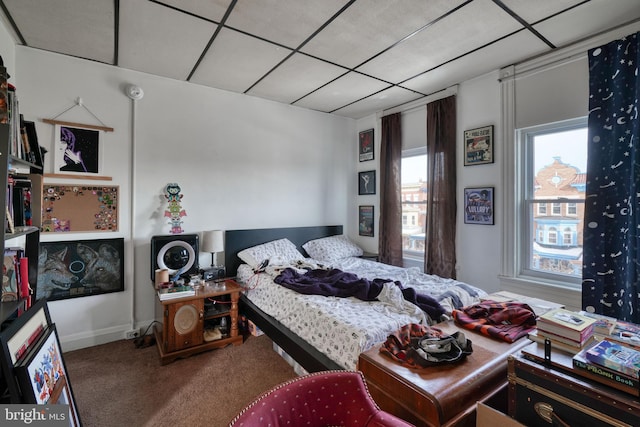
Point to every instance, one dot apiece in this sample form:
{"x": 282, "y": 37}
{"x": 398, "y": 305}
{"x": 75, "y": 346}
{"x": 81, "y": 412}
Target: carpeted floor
{"x": 116, "y": 384}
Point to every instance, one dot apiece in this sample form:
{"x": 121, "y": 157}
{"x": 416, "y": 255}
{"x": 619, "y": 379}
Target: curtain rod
{"x": 419, "y": 103}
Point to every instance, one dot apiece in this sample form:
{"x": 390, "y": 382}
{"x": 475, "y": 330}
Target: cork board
{"x": 79, "y": 208}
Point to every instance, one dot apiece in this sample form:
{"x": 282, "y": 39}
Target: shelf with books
{"x": 14, "y": 160}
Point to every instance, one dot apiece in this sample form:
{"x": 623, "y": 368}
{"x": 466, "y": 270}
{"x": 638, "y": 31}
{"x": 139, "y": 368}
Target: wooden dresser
{"x": 443, "y": 395}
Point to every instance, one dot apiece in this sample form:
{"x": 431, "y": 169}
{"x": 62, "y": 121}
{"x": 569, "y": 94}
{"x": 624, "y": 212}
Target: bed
{"x": 320, "y": 332}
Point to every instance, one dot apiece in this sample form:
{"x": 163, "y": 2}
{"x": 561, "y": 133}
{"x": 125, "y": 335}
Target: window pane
{"x": 414, "y": 206}
{"x": 555, "y": 194}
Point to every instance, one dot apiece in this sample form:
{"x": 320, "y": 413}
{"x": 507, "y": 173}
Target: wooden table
{"x": 444, "y": 395}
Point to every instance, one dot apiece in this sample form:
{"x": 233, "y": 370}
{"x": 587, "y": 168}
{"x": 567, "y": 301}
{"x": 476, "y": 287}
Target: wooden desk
{"x": 441, "y": 395}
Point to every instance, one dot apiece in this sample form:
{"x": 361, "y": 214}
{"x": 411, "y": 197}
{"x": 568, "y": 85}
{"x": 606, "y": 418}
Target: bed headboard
{"x": 237, "y": 240}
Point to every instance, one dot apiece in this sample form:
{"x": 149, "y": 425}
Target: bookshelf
{"x": 13, "y": 162}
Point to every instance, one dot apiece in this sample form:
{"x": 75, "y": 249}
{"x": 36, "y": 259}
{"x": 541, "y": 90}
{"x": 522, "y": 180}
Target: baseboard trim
{"x": 101, "y": 336}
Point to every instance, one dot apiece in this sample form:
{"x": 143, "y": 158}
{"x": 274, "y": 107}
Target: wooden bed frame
{"x": 236, "y": 240}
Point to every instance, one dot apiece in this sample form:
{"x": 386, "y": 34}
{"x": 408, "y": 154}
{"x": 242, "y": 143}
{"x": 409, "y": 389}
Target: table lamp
{"x": 213, "y": 241}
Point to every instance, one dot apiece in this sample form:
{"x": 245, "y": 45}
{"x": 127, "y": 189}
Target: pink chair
{"x": 326, "y": 398}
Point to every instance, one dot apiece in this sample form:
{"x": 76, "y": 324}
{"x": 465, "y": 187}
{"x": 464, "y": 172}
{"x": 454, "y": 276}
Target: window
{"x": 551, "y": 207}
{"x": 414, "y": 205}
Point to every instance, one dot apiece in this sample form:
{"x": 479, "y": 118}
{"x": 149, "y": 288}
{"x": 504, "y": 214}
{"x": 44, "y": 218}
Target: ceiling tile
{"x": 288, "y": 22}
{"x": 341, "y": 92}
{"x": 534, "y": 11}
{"x": 298, "y": 76}
{"x": 236, "y": 61}
{"x": 76, "y": 27}
{"x": 476, "y": 24}
{"x": 159, "y": 40}
{"x": 210, "y": 9}
{"x": 370, "y": 26}
{"x": 513, "y": 49}
{"x": 386, "y": 99}
{"x": 591, "y": 18}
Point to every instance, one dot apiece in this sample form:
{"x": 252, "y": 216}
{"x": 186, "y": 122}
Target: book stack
{"x": 567, "y": 330}
{"x": 612, "y": 364}
{"x": 604, "y": 324}
{"x": 175, "y": 292}
{"x": 15, "y": 275}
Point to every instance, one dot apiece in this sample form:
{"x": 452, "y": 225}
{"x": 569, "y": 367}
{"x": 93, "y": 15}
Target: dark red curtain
{"x": 440, "y": 239}
{"x": 390, "y": 239}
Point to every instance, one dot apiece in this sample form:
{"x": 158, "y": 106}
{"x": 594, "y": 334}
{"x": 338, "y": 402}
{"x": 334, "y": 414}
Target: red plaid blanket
{"x": 508, "y": 321}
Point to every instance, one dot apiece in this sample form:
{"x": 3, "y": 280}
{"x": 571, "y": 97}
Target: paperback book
{"x": 175, "y": 292}
{"x": 605, "y": 375}
{"x": 559, "y": 343}
{"x": 615, "y": 356}
{"x": 604, "y": 325}
{"x": 567, "y": 324}
{"x": 626, "y": 333}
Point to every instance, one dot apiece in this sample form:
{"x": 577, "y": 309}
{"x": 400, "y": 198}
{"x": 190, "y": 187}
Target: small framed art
{"x": 365, "y": 145}
{"x": 478, "y": 205}
{"x": 78, "y": 150}
{"x": 365, "y": 221}
{"x": 478, "y": 146}
{"x": 366, "y": 183}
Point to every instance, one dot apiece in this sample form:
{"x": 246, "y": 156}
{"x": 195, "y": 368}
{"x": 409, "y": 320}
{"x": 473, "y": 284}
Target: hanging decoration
{"x": 174, "y": 211}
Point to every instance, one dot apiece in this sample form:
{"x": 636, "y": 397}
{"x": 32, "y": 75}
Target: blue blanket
{"x": 341, "y": 284}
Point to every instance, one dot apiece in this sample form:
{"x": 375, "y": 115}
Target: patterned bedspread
{"x": 342, "y": 328}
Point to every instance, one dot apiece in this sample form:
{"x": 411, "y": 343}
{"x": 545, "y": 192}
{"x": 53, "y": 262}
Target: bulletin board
{"x": 79, "y": 208}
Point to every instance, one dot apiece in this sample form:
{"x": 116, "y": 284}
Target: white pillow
{"x": 283, "y": 250}
{"x": 332, "y": 248}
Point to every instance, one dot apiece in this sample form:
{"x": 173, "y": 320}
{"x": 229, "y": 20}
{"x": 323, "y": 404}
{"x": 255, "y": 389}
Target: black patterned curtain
{"x": 610, "y": 282}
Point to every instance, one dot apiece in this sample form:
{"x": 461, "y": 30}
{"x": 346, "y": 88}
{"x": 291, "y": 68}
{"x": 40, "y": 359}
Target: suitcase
{"x": 542, "y": 394}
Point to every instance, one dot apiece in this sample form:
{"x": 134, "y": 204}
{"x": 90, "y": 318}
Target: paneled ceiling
{"x": 350, "y": 58}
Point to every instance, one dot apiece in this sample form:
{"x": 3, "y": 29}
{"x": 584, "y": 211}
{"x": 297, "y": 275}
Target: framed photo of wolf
{"x": 80, "y": 268}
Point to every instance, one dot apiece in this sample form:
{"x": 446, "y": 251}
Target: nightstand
{"x": 185, "y": 320}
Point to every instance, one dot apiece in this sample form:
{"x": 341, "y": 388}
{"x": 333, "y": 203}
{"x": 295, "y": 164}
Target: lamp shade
{"x": 212, "y": 241}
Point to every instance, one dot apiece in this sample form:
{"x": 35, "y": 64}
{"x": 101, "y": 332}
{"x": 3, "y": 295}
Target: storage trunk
{"x": 541, "y": 396}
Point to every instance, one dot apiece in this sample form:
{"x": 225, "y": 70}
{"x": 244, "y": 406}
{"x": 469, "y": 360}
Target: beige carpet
{"x": 116, "y": 384}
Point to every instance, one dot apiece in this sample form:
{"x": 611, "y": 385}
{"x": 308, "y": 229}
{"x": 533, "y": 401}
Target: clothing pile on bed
{"x": 344, "y": 327}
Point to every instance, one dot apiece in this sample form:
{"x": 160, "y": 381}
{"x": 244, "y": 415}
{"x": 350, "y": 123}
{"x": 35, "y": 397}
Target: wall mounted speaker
{"x": 175, "y": 252}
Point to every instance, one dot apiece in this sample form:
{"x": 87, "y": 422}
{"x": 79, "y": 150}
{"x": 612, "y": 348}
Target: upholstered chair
{"x": 326, "y": 398}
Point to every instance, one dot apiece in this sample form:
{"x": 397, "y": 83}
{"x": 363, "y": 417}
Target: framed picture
{"x": 43, "y": 378}
{"x": 18, "y": 338}
{"x": 478, "y": 146}
{"x": 365, "y": 145}
{"x": 478, "y": 205}
{"x": 365, "y": 221}
{"x": 77, "y": 150}
{"x": 367, "y": 182}
{"x": 80, "y": 268}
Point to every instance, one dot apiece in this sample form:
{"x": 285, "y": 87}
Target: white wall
{"x": 7, "y": 51}
{"x": 242, "y": 162}
{"x": 479, "y": 246}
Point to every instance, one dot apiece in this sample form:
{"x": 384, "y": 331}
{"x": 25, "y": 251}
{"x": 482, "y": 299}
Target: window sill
{"x": 566, "y": 295}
